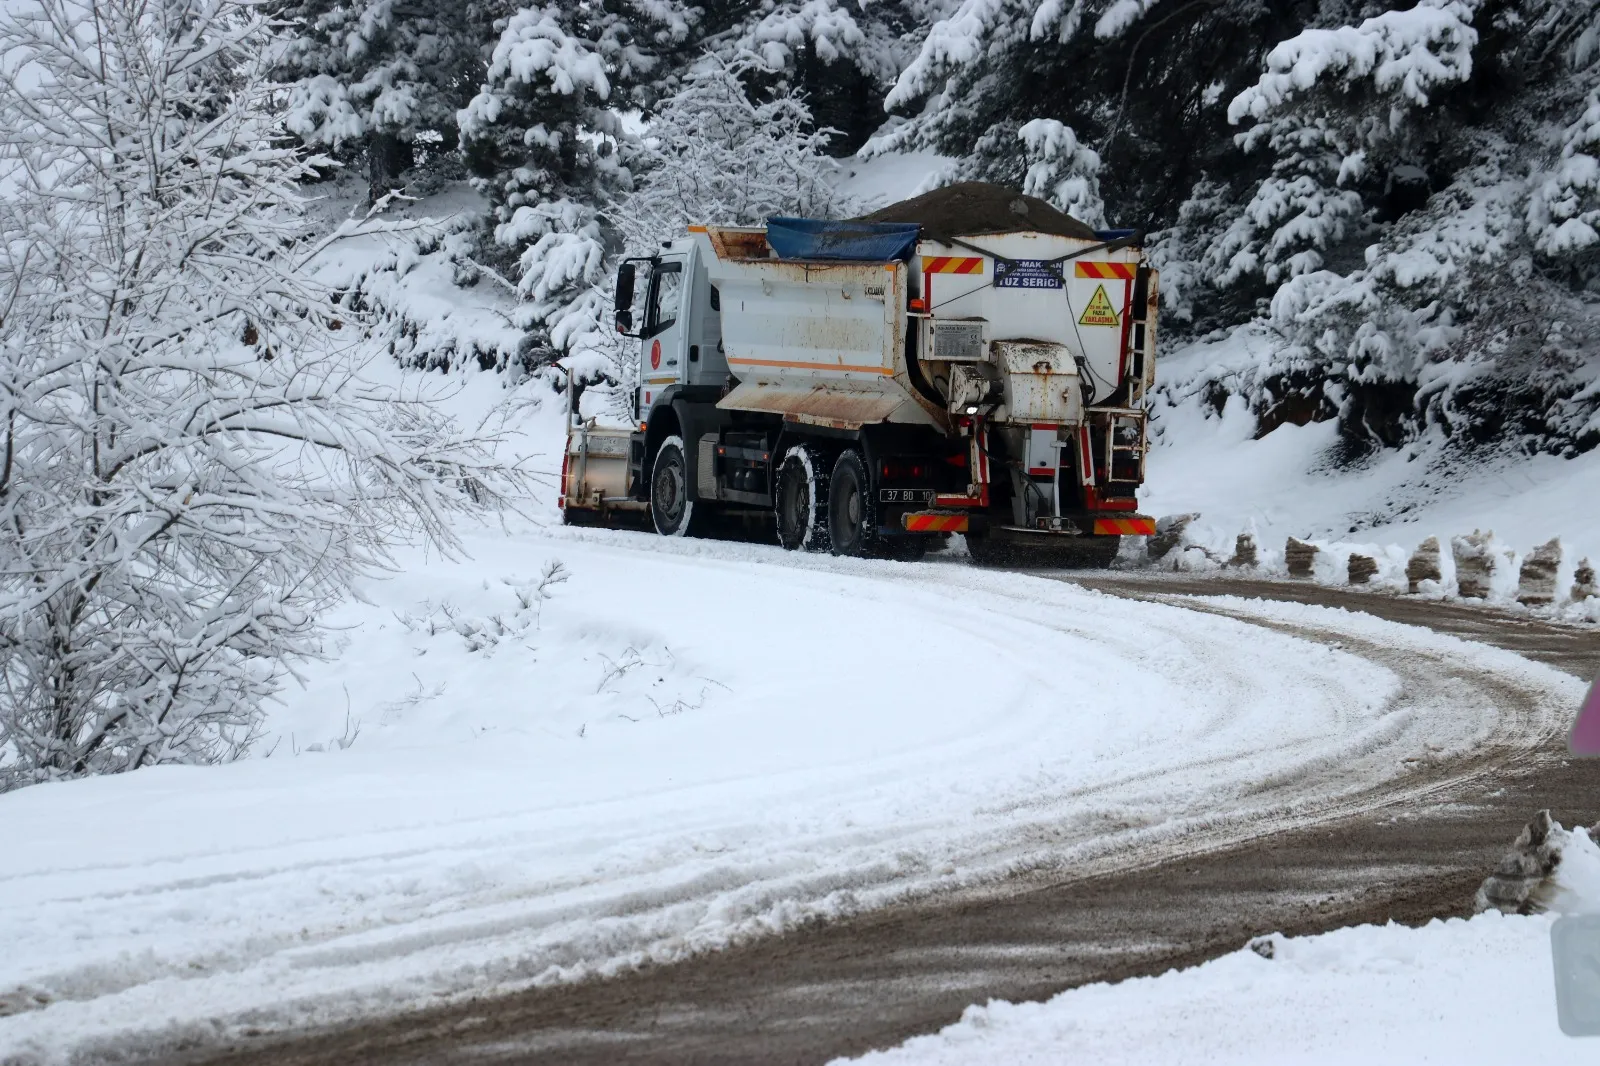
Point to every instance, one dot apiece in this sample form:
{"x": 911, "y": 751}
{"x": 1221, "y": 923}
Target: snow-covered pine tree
{"x": 842, "y": 57}
{"x": 195, "y": 458}
{"x": 713, "y": 155}
{"x": 1143, "y": 84}
{"x": 384, "y": 77}
{"x": 1062, "y": 171}
{"x": 543, "y": 139}
{"x": 1456, "y": 141}
{"x": 1340, "y": 110}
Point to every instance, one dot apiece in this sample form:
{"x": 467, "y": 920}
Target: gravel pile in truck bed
{"x": 973, "y": 207}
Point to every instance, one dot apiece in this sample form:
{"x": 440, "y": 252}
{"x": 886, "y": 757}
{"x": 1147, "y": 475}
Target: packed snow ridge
{"x": 1462, "y": 991}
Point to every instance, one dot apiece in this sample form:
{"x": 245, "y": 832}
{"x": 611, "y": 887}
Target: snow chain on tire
{"x": 850, "y": 484}
{"x": 801, "y": 499}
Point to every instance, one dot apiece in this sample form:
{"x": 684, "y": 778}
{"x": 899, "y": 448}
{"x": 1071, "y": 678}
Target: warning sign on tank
{"x": 1100, "y": 312}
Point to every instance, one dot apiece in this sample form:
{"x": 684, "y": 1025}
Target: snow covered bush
{"x": 195, "y": 456}
{"x": 485, "y": 634}
{"x": 542, "y": 138}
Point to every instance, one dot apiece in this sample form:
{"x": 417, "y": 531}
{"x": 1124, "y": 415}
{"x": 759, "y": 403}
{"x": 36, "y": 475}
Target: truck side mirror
{"x": 624, "y": 286}
{"x": 624, "y": 300}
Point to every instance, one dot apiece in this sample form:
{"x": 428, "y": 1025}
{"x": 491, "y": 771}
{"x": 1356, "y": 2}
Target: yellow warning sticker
{"x": 1100, "y": 312}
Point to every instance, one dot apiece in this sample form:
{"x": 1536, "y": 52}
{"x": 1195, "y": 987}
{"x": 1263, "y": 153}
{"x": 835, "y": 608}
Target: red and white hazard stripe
{"x": 1105, "y": 271}
{"x": 923, "y": 522}
{"x": 1128, "y": 527}
{"x": 952, "y": 264}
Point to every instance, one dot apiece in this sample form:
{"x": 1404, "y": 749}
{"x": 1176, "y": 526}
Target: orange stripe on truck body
{"x": 1105, "y": 271}
{"x": 1126, "y": 527}
{"x": 922, "y": 522}
{"x": 792, "y": 364}
{"x": 952, "y": 264}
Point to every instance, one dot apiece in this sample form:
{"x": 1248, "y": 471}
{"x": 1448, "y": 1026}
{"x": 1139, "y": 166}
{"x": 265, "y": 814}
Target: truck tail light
{"x": 902, "y": 470}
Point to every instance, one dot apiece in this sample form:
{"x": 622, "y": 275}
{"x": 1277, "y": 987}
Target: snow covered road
{"x": 687, "y": 745}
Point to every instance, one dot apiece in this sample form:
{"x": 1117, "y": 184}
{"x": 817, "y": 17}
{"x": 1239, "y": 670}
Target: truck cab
{"x": 679, "y": 333}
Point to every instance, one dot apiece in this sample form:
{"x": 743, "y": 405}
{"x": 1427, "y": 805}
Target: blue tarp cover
{"x": 815, "y": 238}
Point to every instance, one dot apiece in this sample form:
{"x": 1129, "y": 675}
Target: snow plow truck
{"x": 969, "y": 361}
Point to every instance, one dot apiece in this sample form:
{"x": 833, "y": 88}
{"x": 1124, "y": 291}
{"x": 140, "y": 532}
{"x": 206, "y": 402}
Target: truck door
{"x": 703, "y": 309}
{"x": 661, "y": 354}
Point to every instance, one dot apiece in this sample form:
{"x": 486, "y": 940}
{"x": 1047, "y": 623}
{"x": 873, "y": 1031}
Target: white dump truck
{"x": 972, "y": 361}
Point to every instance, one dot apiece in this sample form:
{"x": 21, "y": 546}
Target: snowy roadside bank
{"x": 796, "y": 737}
{"x": 1207, "y": 459}
{"x": 1462, "y": 991}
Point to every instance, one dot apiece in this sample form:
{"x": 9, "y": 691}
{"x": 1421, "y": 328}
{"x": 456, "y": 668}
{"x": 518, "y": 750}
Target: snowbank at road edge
{"x": 1287, "y": 483}
{"x": 1461, "y": 991}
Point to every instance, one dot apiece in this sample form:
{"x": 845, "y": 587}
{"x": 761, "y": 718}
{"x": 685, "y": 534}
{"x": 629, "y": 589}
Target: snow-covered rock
{"x": 1536, "y": 582}
{"x": 1424, "y": 565}
{"x": 1548, "y": 868}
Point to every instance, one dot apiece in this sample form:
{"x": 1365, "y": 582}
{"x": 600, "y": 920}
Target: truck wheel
{"x": 670, "y": 506}
{"x": 852, "y": 511}
{"x": 802, "y": 500}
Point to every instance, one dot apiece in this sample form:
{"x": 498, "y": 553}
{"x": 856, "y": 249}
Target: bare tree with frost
{"x": 195, "y": 455}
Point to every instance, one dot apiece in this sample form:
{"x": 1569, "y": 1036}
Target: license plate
{"x": 905, "y": 495}
{"x": 1026, "y": 274}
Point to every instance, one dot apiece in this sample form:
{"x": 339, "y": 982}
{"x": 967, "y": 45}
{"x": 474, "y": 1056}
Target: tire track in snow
{"x": 456, "y": 944}
{"x": 1504, "y": 714}
{"x": 1525, "y": 722}
{"x": 798, "y": 999}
